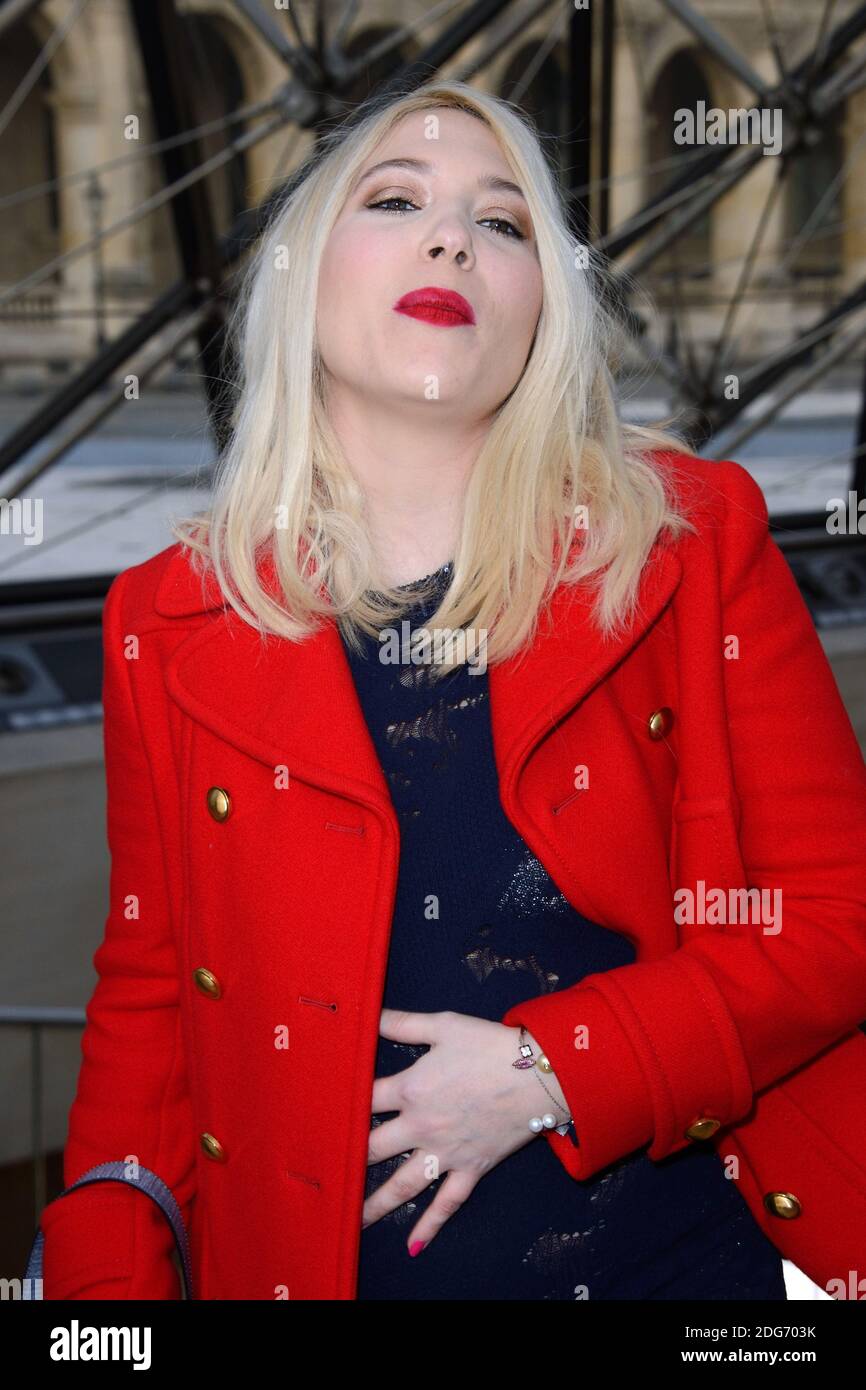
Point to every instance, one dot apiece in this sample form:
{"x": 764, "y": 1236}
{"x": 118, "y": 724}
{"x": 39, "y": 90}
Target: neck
{"x": 413, "y": 466}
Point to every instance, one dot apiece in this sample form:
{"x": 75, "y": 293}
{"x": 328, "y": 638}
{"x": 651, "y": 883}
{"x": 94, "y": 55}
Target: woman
{"x": 379, "y": 924}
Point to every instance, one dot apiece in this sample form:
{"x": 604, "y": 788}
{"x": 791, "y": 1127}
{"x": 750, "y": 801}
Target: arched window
{"x": 219, "y": 90}
{"x": 814, "y": 204}
{"x": 543, "y": 97}
{"x": 679, "y": 86}
{"x": 29, "y": 231}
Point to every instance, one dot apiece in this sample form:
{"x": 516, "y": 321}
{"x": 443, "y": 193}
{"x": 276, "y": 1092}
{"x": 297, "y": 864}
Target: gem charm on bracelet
{"x": 526, "y": 1059}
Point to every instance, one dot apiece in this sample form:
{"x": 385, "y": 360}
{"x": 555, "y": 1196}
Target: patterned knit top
{"x": 478, "y": 926}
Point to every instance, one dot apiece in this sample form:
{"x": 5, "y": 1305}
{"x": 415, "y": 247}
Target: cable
{"x": 149, "y": 205}
{"x": 39, "y": 64}
{"x": 801, "y": 238}
{"x": 773, "y": 485}
{"x": 545, "y": 46}
{"x": 243, "y": 113}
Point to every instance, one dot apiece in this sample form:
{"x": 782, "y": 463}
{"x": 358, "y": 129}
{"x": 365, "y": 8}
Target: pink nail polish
{"x": 416, "y": 1247}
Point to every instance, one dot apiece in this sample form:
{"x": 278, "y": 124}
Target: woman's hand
{"x": 463, "y": 1108}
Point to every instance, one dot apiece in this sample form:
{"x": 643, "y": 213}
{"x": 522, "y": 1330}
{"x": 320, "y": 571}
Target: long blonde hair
{"x": 282, "y": 487}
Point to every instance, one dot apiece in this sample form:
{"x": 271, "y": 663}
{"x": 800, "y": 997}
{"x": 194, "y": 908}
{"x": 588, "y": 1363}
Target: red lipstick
{"x": 433, "y": 304}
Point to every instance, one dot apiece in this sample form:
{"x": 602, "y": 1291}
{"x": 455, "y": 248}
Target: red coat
{"x": 748, "y": 775}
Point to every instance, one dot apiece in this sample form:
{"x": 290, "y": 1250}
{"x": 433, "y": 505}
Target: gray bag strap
{"x": 156, "y": 1189}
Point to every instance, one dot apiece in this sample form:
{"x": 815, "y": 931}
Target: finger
{"x": 402, "y": 1186}
{"x": 401, "y": 1025}
{"x": 387, "y": 1093}
{"x": 448, "y": 1200}
{"x": 389, "y": 1138}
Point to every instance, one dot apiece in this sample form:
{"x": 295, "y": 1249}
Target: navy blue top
{"x": 678, "y": 1229}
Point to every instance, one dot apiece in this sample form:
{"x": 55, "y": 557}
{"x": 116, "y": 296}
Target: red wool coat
{"x": 734, "y": 764}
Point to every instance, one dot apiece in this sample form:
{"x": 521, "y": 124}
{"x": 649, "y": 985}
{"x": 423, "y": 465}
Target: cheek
{"x": 517, "y": 299}
{"x": 350, "y": 280}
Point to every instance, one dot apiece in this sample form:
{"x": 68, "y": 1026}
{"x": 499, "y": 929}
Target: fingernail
{"x": 416, "y": 1247}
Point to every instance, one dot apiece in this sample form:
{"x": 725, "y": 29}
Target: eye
{"x": 395, "y": 198}
{"x": 503, "y": 226}
{"x": 503, "y": 222}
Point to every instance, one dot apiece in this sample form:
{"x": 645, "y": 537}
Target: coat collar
{"x": 295, "y": 704}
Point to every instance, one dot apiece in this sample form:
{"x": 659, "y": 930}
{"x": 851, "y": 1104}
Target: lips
{"x": 435, "y": 305}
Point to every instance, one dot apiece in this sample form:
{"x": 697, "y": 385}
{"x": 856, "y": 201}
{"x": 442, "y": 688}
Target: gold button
{"x": 660, "y": 722}
{"x": 702, "y": 1129}
{"x": 218, "y": 803}
{"x": 207, "y": 982}
{"x": 213, "y": 1148}
{"x": 783, "y": 1204}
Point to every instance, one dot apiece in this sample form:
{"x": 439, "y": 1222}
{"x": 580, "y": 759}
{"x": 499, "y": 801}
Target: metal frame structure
{"x": 315, "y": 94}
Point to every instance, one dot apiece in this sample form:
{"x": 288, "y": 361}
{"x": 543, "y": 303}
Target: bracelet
{"x": 526, "y": 1059}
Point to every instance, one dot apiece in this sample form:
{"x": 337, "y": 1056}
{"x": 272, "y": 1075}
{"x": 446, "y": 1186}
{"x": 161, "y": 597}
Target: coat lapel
{"x": 296, "y": 703}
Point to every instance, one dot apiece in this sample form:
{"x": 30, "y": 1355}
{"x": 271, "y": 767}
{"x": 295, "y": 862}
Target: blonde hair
{"x": 556, "y": 443}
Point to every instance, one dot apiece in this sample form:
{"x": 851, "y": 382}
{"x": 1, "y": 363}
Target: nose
{"x": 451, "y": 238}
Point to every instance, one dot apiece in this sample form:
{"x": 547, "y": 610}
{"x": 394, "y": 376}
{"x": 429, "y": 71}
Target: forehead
{"x": 435, "y": 134}
{"x": 417, "y": 146}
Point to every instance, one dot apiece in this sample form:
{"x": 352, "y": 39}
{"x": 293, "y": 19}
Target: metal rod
{"x": 36, "y": 1139}
{"x": 95, "y": 371}
{"x": 16, "y": 10}
{"x": 100, "y": 407}
{"x": 506, "y": 28}
{"x": 717, "y": 44}
{"x": 605, "y": 134}
{"x": 580, "y": 44}
{"x": 797, "y": 383}
{"x": 295, "y": 57}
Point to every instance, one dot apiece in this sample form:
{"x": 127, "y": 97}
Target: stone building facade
{"x": 69, "y": 168}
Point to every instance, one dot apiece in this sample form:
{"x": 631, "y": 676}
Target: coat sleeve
{"x": 107, "y": 1240}
{"x": 698, "y": 1033}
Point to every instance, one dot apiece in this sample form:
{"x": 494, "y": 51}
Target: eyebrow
{"x": 490, "y": 181}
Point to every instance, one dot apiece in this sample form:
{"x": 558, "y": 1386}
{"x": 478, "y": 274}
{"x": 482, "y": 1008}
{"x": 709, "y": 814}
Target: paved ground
{"x": 108, "y": 503}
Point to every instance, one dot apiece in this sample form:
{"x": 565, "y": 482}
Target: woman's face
{"x": 442, "y": 227}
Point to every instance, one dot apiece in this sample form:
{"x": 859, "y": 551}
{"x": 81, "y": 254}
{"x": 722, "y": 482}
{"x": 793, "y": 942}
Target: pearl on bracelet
{"x": 538, "y": 1123}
